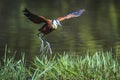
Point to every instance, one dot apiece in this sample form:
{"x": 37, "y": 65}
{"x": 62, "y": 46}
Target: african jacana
{"x": 50, "y": 25}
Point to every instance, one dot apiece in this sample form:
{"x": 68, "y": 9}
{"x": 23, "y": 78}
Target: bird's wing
{"x": 72, "y": 15}
{"x": 33, "y": 17}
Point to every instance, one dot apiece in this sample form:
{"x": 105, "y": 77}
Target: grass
{"x": 100, "y": 66}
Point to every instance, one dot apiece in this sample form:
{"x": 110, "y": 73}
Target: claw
{"x": 49, "y": 47}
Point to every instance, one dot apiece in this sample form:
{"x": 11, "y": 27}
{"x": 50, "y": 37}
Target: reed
{"x": 100, "y": 66}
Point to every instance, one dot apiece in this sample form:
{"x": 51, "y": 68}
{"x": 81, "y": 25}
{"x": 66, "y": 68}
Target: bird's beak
{"x": 60, "y": 25}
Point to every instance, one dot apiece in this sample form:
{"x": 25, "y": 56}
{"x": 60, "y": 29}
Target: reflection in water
{"x": 97, "y": 29}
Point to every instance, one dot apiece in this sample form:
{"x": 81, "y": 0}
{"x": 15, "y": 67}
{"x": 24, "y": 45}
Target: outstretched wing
{"x": 72, "y": 15}
{"x": 34, "y": 18}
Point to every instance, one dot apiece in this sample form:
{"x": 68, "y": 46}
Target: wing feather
{"x": 33, "y": 17}
{"x": 72, "y": 15}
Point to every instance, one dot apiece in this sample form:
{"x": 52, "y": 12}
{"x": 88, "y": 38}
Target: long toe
{"x": 49, "y": 47}
{"x": 42, "y": 45}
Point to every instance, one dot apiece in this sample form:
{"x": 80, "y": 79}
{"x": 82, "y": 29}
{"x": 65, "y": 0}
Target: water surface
{"x": 97, "y": 29}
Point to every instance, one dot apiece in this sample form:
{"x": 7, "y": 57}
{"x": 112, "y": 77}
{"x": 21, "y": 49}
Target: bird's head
{"x": 56, "y": 23}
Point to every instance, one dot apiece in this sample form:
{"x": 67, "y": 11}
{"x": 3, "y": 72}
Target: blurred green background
{"x": 97, "y": 29}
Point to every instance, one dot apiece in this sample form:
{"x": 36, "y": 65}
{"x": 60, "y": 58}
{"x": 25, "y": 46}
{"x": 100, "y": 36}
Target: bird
{"x": 50, "y": 24}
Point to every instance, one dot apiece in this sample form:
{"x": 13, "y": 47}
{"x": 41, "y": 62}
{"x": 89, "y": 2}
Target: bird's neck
{"x": 55, "y": 23}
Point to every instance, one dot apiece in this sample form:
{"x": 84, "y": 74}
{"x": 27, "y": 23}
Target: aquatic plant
{"x": 10, "y": 69}
{"x": 99, "y": 66}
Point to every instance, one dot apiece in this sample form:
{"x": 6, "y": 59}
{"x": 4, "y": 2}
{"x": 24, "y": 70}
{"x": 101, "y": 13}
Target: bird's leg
{"x": 48, "y": 47}
{"x": 42, "y": 41}
{"x": 42, "y": 45}
{"x": 39, "y": 34}
{"x": 43, "y": 36}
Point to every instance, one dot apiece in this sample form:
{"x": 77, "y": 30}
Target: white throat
{"x": 55, "y": 24}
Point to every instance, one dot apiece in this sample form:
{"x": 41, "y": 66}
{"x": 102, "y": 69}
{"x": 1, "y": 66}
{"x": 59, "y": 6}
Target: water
{"x": 97, "y": 29}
